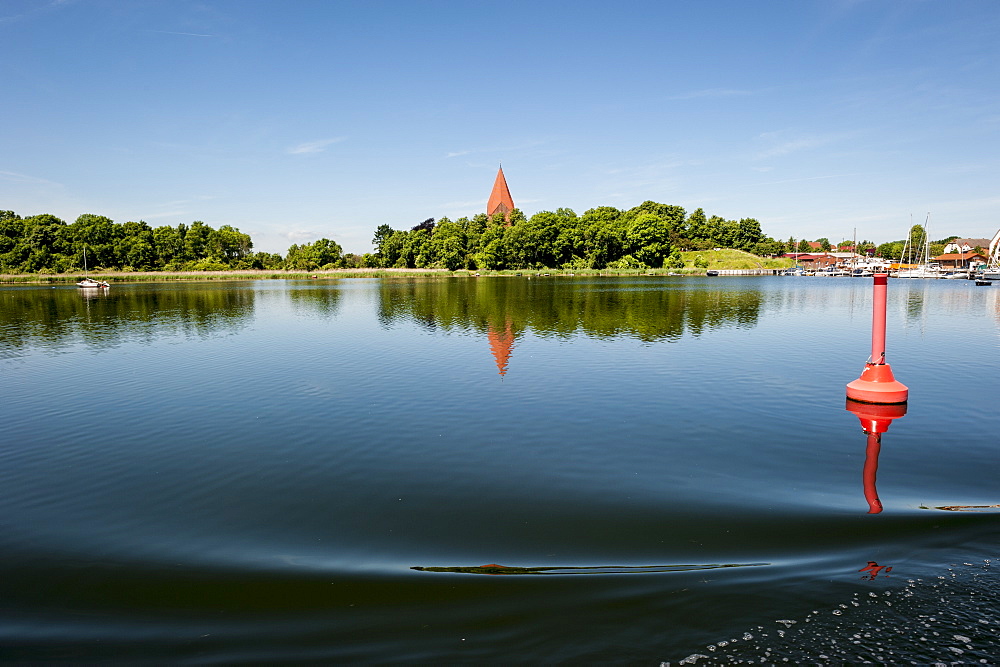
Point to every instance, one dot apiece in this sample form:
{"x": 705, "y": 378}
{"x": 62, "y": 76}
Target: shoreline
{"x": 265, "y": 274}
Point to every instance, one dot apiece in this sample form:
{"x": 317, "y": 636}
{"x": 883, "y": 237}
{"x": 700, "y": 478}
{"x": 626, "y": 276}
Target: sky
{"x": 308, "y": 119}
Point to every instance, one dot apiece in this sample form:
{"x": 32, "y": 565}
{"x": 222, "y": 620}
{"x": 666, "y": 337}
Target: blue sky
{"x": 306, "y": 119}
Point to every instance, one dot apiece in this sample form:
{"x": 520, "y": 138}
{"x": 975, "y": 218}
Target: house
{"x": 813, "y": 261}
{"x": 965, "y": 245}
{"x": 960, "y": 260}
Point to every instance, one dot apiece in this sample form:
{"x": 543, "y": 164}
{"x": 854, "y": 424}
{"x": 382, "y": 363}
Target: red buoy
{"x": 877, "y": 384}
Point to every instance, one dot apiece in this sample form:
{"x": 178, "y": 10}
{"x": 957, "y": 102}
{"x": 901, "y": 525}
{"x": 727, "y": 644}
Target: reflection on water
{"x": 505, "y": 308}
{"x": 106, "y": 318}
{"x": 875, "y": 421}
{"x": 502, "y": 344}
{"x": 874, "y": 569}
{"x": 34, "y": 318}
{"x": 650, "y": 310}
{"x": 495, "y": 569}
{"x": 966, "y": 508}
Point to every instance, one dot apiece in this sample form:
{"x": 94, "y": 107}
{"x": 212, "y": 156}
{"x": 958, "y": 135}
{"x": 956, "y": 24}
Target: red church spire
{"x": 500, "y": 201}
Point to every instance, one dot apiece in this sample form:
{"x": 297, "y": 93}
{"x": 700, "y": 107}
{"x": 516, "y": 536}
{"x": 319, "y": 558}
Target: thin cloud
{"x": 186, "y": 34}
{"x": 22, "y": 178}
{"x": 167, "y": 214}
{"x": 50, "y": 6}
{"x": 710, "y": 93}
{"x": 313, "y": 146}
{"x": 457, "y": 154}
{"x": 808, "y": 178}
{"x": 785, "y": 146}
{"x": 299, "y": 235}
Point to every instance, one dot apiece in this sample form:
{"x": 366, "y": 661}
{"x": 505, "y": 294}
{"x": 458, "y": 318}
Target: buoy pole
{"x": 877, "y": 384}
{"x": 879, "y": 290}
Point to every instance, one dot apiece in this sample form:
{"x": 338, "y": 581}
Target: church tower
{"x": 500, "y": 201}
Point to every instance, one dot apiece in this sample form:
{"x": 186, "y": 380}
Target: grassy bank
{"x": 716, "y": 259}
{"x": 727, "y": 258}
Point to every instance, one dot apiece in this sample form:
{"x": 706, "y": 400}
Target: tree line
{"x": 45, "y": 244}
{"x": 650, "y": 235}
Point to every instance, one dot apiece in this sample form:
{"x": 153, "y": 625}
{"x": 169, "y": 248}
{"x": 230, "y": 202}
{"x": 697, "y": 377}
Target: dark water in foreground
{"x": 280, "y": 472}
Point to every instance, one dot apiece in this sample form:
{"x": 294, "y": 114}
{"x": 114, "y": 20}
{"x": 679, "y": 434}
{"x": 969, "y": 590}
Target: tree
{"x": 824, "y": 244}
{"x": 747, "y": 234}
{"x": 603, "y": 235}
{"x": 697, "y": 227}
{"x": 196, "y": 241}
{"x": 323, "y": 253}
{"x": 804, "y": 246}
{"x": 891, "y": 250}
{"x": 427, "y": 226}
{"x": 448, "y": 245}
{"x": 169, "y": 244}
{"x": 382, "y": 234}
{"x": 229, "y": 244}
{"x": 11, "y": 231}
{"x": 648, "y": 239}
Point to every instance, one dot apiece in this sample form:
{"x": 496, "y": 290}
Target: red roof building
{"x": 959, "y": 260}
{"x": 500, "y": 201}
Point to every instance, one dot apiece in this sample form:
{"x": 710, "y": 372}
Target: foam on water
{"x": 949, "y": 619}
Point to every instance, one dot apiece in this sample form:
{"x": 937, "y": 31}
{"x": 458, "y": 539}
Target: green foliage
{"x": 44, "y": 243}
{"x": 646, "y": 236}
{"x": 891, "y": 250}
{"x": 310, "y": 256}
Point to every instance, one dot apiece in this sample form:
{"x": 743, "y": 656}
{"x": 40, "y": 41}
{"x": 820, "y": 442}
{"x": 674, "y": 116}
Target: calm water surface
{"x": 505, "y": 470}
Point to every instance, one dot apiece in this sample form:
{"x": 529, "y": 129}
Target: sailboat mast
{"x": 927, "y": 239}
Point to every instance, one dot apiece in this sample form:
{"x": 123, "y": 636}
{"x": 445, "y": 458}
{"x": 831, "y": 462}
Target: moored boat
{"x": 88, "y": 282}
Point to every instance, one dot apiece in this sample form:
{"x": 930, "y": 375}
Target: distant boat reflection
{"x": 875, "y": 420}
{"x": 964, "y": 508}
{"x": 494, "y": 569}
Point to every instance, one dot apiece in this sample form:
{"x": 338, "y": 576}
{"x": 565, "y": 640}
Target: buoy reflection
{"x": 875, "y": 420}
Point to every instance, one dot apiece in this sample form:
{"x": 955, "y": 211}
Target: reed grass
{"x": 717, "y": 259}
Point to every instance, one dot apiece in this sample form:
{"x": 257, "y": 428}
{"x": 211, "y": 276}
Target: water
{"x": 652, "y": 470}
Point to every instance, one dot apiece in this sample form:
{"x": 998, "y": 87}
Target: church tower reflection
{"x": 501, "y": 344}
{"x": 875, "y": 420}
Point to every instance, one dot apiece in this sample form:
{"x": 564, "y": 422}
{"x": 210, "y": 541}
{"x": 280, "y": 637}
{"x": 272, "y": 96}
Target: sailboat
{"x": 927, "y": 268}
{"x": 992, "y": 270}
{"x": 88, "y": 282}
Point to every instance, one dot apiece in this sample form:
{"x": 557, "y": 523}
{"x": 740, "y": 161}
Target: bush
{"x": 207, "y": 264}
{"x": 627, "y": 262}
